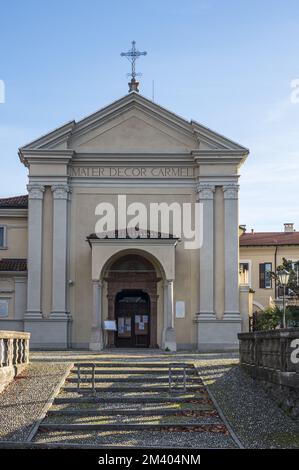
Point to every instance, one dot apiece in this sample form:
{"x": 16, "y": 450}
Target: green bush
{"x": 272, "y": 318}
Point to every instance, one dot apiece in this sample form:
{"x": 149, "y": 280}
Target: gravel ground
{"x": 256, "y": 419}
{"x": 22, "y": 401}
{"x": 186, "y": 440}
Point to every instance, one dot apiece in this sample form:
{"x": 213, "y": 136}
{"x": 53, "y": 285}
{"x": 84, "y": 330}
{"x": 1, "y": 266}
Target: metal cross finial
{"x": 132, "y": 55}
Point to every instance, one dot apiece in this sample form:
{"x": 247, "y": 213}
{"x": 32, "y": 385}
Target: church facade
{"x": 73, "y": 287}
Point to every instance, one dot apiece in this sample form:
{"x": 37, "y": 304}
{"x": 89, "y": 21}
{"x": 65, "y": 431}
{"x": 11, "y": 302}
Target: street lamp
{"x": 283, "y": 277}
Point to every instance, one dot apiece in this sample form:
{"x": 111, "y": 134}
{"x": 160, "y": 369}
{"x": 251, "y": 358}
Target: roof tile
{"x": 13, "y": 264}
{"x": 269, "y": 238}
{"x": 16, "y": 202}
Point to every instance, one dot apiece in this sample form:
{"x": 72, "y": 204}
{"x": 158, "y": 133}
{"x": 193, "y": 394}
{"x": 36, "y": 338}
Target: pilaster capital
{"x": 60, "y": 191}
{"x": 97, "y": 284}
{"x": 230, "y": 191}
{"x": 205, "y": 190}
{"x": 35, "y": 191}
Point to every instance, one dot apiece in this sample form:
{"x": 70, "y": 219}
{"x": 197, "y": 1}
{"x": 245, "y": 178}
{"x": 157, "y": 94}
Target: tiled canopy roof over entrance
{"x": 13, "y": 264}
{"x": 16, "y": 202}
{"x": 269, "y": 238}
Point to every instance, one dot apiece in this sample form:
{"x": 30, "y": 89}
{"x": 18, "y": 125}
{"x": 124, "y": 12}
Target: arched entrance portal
{"x": 132, "y": 302}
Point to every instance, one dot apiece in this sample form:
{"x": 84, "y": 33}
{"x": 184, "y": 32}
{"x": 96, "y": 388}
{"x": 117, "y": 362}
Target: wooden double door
{"x": 132, "y": 315}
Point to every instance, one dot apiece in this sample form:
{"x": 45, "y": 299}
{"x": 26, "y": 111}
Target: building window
{"x": 2, "y": 237}
{"x": 3, "y": 308}
{"x": 265, "y": 277}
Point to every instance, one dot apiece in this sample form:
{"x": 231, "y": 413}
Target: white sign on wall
{"x": 3, "y": 308}
{"x": 110, "y": 325}
{"x": 180, "y": 309}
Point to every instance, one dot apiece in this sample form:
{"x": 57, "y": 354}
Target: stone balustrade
{"x": 14, "y": 355}
{"x": 270, "y": 357}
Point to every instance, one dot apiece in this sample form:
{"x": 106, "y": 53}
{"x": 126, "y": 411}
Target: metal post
{"x": 284, "y": 308}
{"x": 184, "y": 377}
{"x": 78, "y": 376}
{"x": 93, "y": 378}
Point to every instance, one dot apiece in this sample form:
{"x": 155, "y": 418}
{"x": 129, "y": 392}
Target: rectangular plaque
{"x": 180, "y": 309}
{"x": 110, "y": 325}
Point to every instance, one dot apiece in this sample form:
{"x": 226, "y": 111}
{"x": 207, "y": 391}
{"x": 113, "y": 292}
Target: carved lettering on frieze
{"x": 130, "y": 172}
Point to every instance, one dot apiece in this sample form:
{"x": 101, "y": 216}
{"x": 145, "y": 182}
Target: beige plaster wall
{"x": 7, "y": 292}
{"x": 16, "y": 237}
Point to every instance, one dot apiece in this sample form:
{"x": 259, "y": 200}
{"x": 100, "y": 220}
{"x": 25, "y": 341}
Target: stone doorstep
{"x": 126, "y": 412}
{"x": 99, "y": 400}
{"x": 128, "y": 427}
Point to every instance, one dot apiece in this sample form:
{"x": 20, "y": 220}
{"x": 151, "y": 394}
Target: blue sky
{"x": 228, "y": 64}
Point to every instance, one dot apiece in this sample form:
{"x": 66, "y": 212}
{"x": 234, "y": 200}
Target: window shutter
{"x": 262, "y": 276}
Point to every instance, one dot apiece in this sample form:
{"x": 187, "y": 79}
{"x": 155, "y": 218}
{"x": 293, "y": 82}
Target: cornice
{"x": 127, "y": 102}
{"x": 133, "y": 241}
{"x": 58, "y": 135}
{"x": 139, "y": 158}
{"x": 18, "y": 213}
{"x": 45, "y": 156}
{"x": 221, "y": 140}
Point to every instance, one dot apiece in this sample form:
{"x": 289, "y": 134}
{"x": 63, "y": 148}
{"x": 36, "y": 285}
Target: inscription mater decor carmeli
{"x": 130, "y": 172}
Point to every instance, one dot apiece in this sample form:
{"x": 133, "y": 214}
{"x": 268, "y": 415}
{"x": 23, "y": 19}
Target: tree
{"x": 293, "y": 269}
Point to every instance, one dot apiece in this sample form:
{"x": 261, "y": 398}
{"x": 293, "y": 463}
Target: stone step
{"x": 129, "y": 372}
{"x": 133, "y": 406}
{"x": 136, "y": 439}
{"x": 139, "y": 399}
{"x": 140, "y": 379}
{"x": 127, "y": 412}
{"x": 214, "y": 427}
{"x": 130, "y": 365}
{"x": 121, "y": 419}
{"x": 115, "y": 389}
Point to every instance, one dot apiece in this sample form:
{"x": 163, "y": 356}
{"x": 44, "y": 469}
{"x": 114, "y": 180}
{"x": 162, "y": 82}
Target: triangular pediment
{"x": 133, "y": 124}
{"x": 133, "y": 131}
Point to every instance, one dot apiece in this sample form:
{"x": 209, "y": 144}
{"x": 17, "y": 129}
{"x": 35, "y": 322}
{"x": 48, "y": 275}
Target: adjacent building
{"x": 260, "y": 254}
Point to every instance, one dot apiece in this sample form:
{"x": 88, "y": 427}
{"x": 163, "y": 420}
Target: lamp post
{"x": 283, "y": 277}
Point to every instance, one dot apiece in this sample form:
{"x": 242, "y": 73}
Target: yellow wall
{"x": 265, "y": 254}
